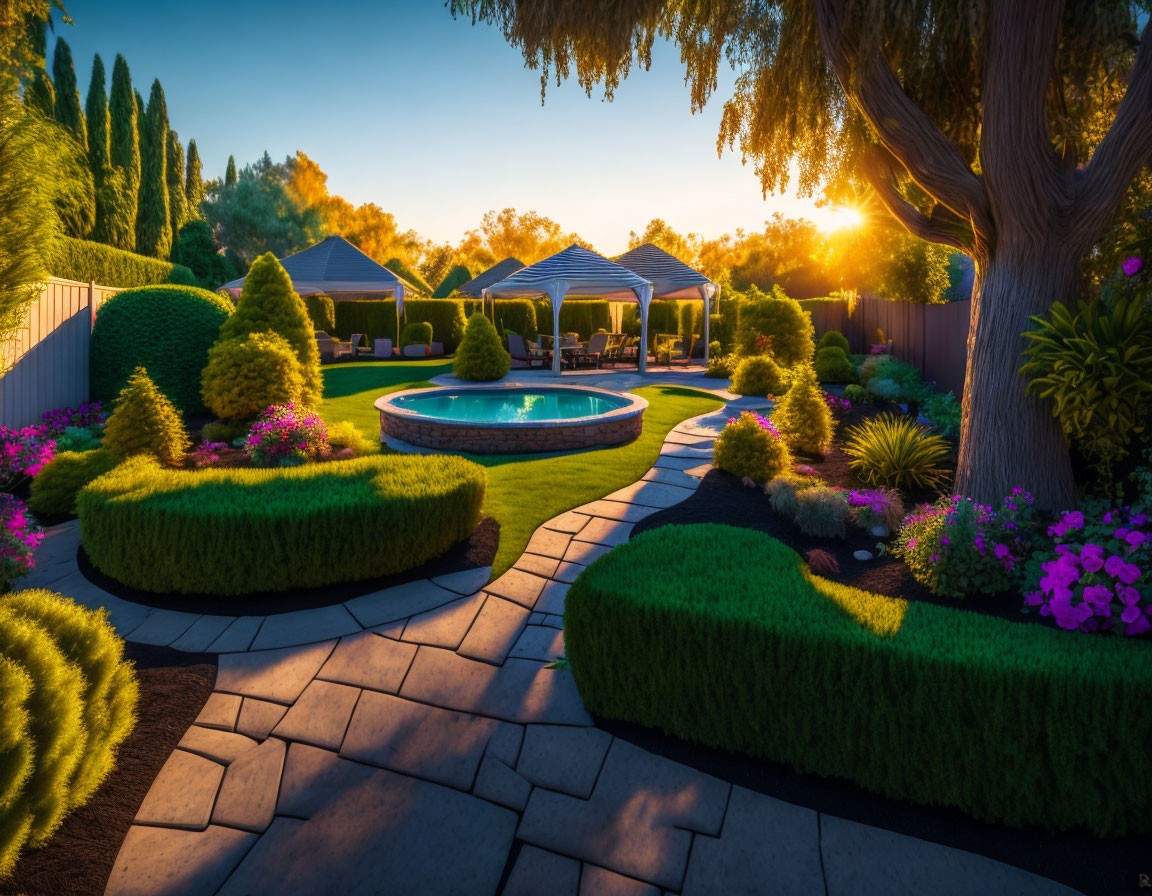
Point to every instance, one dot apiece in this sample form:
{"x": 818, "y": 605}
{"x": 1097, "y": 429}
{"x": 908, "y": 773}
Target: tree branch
{"x": 941, "y": 226}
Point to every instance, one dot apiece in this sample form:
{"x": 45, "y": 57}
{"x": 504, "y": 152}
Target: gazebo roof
{"x": 494, "y": 274}
{"x": 671, "y": 278}
{"x": 578, "y": 271}
{"x": 335, "y": 265}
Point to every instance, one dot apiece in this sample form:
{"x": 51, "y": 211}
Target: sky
{"x": 433, "y": 119}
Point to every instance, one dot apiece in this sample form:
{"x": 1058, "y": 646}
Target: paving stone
{"x": 220, "y": 711}
{"x": 518, "y": 691}
{"x": 444, "y": 626}
{"x": 162, "y": 627}
{"x": 165, "y": 862}
{"x": 467, "y": 581}
{"x": 672, "y": 477}
{"x": 563, "y": 757}
{"x": 551, "y": 599}
{"x": 597, "y": 881}
{"x": 183, "y": 793}
{"x": 425, "y": 741}
{"x": 315, "y": 778}
{"x": 305, "y": 627}
{"x": 602, "y": 531}
{"x": 537, "y": 618}
{"x": 569, "y": 572}
{"x": 539, "y": 642}
{"x": 278, "y": 675}
{"x": 259, "y": 717}
{"x": 320, "y": 717}
{"x": 391, "y": 834}
{"x": 570, "y": 522}
{"x": 398, "y": 602}
{"x": 651, "y": 494}
{"x": 664, "y": 462}
{"x": 367, "y": 660}
{"x": 494, "y": 631}
{"x": 522, "y": 587}
{"x": 618, "y": 510}
{"x": 554, "y": 621}
{"x": 681, "y": 437}
{"x": 584, "y": 553}
{"x": 549, "y": 543}
{"x": 764, "y": 840}
{"x": 699, "y": 472}
{"x": 859, "y": 858}
{"x": 391, "y": 630}
{"x": 537, "y": 872}
{"x": 537, "y": 565}
{"x": 499, "y": 784}
{"x": 504, "y": 744}
{"x": 247, "y": 797}
{"x": 700, "y": 455}
{"x": 238, "y": 636}
{"x": 203, "y": 632}
{"x": 219, "y": 746}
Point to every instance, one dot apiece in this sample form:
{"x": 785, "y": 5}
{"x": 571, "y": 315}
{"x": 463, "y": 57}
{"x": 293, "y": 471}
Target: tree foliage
{"x": 96, "y": 115}
{"x": 174, "y": 173}
{"x": 153, "y": 215}
{"x": 230, "y": 172}
{"x": 194, "y": 182}
{"x": 124, "y": 145}
{"x": 68, "y": 110}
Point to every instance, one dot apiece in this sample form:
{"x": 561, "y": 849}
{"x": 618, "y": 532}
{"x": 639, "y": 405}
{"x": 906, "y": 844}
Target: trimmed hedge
{"x": 1011, "y": 722}
{"x": 67, "y": 701}
{"x": 375, "y": 318}
{"x": 53, "y": 490}
{"x": 86, "y": 261}
{"x": 322, "y": 312}
{"x": 833, "y": 365}
{"x": 239, "y": 531}
{"x": 168, "y": 330}
{"x": 445, "y": 315}
{"x": 512, "y": 315}
{"x": 583, "y": 316}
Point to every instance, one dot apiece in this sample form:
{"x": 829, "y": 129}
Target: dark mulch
{"x": 79, "y": 857}
{"x": 476, "y": 551}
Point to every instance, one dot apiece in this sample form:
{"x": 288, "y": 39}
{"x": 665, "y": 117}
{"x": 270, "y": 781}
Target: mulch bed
{"x": 476, "y": 551}
{"x": 78, "y": 859}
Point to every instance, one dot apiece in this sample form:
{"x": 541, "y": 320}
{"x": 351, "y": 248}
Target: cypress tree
{"x": 67, "y": 108}
{"x": 153, "y": 222}
{"x": 140, "y": 113}
{"x": 194, "y": 183}
{"x": 124, "y": 143}
{"x": 40, "y": 95}
{"x": 230, "y": 172}
{"x": 96, "y": 110}
{"x": 174, "y": 168}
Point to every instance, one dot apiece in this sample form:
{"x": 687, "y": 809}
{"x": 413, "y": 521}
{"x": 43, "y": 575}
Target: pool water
{"x": 510, "y": 405}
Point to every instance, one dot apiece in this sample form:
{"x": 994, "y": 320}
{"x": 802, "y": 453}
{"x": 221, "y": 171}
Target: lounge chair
{"x": 522, "y": 356}
{"x": 381, "y": 348}
{"x": 331, "y": 349}
{"x": 414, "y": 350}
{"x": 436, "y": 348}
{"x": 354, "y": 340}
{"x": 590, "y": 355}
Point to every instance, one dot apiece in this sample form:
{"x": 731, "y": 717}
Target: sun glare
{"x": 838, "y": 218}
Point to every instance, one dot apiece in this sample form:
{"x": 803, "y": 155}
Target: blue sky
{"x": 431, "y": 118}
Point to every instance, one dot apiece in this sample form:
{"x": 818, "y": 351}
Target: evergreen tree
{"x": 124, "y": 145}
{"x": 194, "y": 183}
{"x": 141, "y": 111}
{"x": 40, "y": 94}
{"x": 96, "y": 110}
{"x": 67, "y": 109}
{"x": 230, "y": 172}
{"x": 174, "y": 167}
{"x": 153, "y": 222}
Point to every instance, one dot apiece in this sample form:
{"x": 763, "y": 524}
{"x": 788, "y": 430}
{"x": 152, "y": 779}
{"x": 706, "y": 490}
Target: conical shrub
{"x": 247, "y": 374}
{"x": 146, "y": 422}
{"x": 803, "y": 416}
{"x": 481, "y": 355}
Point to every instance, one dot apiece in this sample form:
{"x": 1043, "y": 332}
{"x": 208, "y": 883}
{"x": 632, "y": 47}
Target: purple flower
{"x": 1092, "y": 557}
{"x": 1135, "y": 538}
{"x": 1132, "y": 266}
{"x": 1114, "y": 565}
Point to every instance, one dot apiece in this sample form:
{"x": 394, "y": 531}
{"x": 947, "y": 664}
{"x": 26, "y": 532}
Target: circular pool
{"x": 510, "y": 419}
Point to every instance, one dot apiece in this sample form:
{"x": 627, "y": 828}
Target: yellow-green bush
{"x": 802, "y": 415}
{"x": 344, "y": 435}
{"x": 416, "y": 333}
{"x": 238, "y": 531}
{"x": 834, "y": 338}
{"x": 759, "y": 375}
{"x": 321, "y": 312}
{"x": 481, "y": 356}
{"x": 445, "y": 316}
{"x": 896, "y": 452}
{"x": 68, "y": 701}
{"x": 247, "y": 374}
{"x": 834, "y": 366}
{"x": 53, "y": 490}
{"x": 145, "y": 422}
{"x": 751, "y": 446}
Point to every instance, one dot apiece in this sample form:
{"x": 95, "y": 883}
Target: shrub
{"x": 782, "y": 493}
{"x": 836, "y": 339}
{"x": 457, "y": 277}
{"x": 416, "y": 334}
{"x": 833, "y": 366}
{"x": 780, "y": 318}
{"x": 87, "y": 261}
{"x": 167, "y": 329}
{"x": 249, "y": 373}
{"x": 238, "y": 531}
{"x": 343, "y": 436}
{"x": 721, "y": 368}
{"x": 322, "y": 312}
{"x": 876, "y": 507}
{"x": 876, "y": 367}
{"x": 195, "y": 247}
{"x": 268, "y": 302}
{"x": 896, "y": 452}
{"x": 23, "y": 453}
{"x": 227, "y": 431}
{"x": 19, "y": 538}
{"x": 758, "y": 375}
{"x": 945, "y": 413}
{"x": 76, "y": 438}
{"x": 445, "y": 316}
{"x": 481, "y": 356}
{"x": 67, "y": 701}
{"x": 885, "y": 390}
{"x": 761, "y": 657}
{"x": 751, "y": 446}
{"x": 53, "y": 492}
{"x": 145, "y": 422}
{"x": 802, "y": 415}
{"x": 517, "y": 316}
{"x": 286, "y": 437}
{"x": 396, "y": 266}
{"x": 856, "y": 394}
{"x": 375, "y": 318}
{"x": 822, "y": 511}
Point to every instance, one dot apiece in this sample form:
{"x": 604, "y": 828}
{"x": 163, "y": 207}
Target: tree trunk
{"x": 1010, "y": 439}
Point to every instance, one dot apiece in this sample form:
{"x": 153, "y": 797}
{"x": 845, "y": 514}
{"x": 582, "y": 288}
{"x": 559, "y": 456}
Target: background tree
{"x": 230, "y": 172}
{"x": 194, "y": 182}
{"x": 195, "y": 248}
{"x": 96, "y": 116}
{"x": 40, "y": 94}
{"x": 661, "y": 235}
{"x": 457, "y": 277}
{"x": 68, "y": 111}
{"x": 174, "y": 172}
{"x": 436, "y": 260}
{"x": 980, "y": 103}
{"x": 124, "y": 148}
{"x": 153, "y": 222}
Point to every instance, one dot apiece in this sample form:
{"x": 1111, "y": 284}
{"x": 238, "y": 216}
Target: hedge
{"x": 445, "y": 315}
{"x": 514, "y": 315}
{"x": 53, "y": 490}
{"x": 86, "y": 261}
{"x": 322, "y": 312}
{"x": 375, "y": 318}
{"x": 239, "y": 531}
{"x": 1011, "y": 722}
{"x": 583, "y": 316}
{"x": 67, "y": 701}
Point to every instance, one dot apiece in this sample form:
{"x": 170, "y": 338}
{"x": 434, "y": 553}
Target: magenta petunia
{"x": 1132, "y": 266}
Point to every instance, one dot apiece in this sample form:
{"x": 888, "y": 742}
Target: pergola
{"x": 581, "y": 272}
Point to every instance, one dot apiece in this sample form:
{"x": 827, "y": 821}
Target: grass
{"x": 524, "y": 490}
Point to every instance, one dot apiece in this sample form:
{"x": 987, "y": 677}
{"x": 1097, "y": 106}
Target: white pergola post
{"x": 556, "y": 295}
{"x": 707, "y": 313}
{"x": 644, "y": 299}
{"x": 398, "y": 295}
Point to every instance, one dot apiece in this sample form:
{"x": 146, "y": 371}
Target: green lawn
{"x": 524, "y": 490}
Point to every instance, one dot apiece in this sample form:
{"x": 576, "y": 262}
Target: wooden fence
{"x": 47, "y": 356}
{"x": 933, "y": 337}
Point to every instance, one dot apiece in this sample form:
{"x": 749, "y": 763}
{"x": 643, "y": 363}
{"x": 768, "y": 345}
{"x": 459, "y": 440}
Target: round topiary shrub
{"x": 802, "y": 415}
{"x": 145, "y": 422}
{"x": 759, "y": 375}
{"x": 751, "y": 446}
{"x": 835, "y": 338}
{"x": 250, "y": 373}
{"x": 779, "y": 318}
{"x": 167, "y": 329}
{"x": 481, "y": 356}
{"x": 834, "y": 366}
{"x": 418, "y": 333}
{"x": 53, "y": 490}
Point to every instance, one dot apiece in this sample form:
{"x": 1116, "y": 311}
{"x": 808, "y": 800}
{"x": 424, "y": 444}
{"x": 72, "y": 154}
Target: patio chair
{"x": 685, "y": 347}
{"x": 354, "y": 340}
{"x": 415, "y": 350}
{"x": 523, "y": 357}
{"x": 630, "y": 351}
{"x": 331, "y": 349}
{"x": 436, "y": 348}
{"x": 381, "y": 348}
{"x": 590, "y": 355}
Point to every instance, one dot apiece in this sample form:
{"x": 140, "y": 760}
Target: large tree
{"x": 68, "y": 110}
{"x": 194, "y": 183}
{"x": 174, "y": 169}
{"x": 981, "y": 105}
{"x": 96, "y": 113}
{"x": 153, "y": 222}
{"x": 124, "y": 148}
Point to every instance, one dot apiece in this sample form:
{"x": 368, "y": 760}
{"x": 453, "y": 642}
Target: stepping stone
{"x": 467, "y": 581}
{"x": 220, "y": 711}
{"x": 551, "y": 599}
{"x": 444, "y": 626}
{"x": 259, "y": 717}
{"x": 539, "y": 642}
{"x": 183, "y": 793}
{"x": 278, "y": 675}
{"x": 424, "y": 741}
{"x": 238, "y": 637}
{"x": 391, "y": 630}
{"x": 570, "y": 522}
{"x": 700, "y": 471}
{"x": 584, "y": 553}
{"x": 563, "y": 758}
{"x": 320, "y": 717}
{"x": 672, "y": 477}
{"x": 764, "y": 841}
{"x": 549, "y": 543}
{"x": 537, "y": 872}
{"x": 601, "y": 531}
{"x": 305, "y": 627}
{"x": 651, "y": 494}
{"x": 398, "y": 602}
{"x": 679, "y": 437}
{"x": 521, "y": 587}
{"x": 665, "y": 462}
{"x": 164, "y": 862}
{"x": 203, "y": 632}
{"x": 495, "y": 631}
{"x": 554, "y": 621}
{"x": 247, "y": 797}
{"x": 596, "y": 881}
{"x": 618, "y": 510}
{"x": 537, "y": 618}
{"x": 537, "y": 565}
{"x": 569, "y": 572}
{"x": 499, "y": 784}
{"x": 859, "y": 858}
{"x": 682, "y": 451}
{"x": 390, "y": 834}
{"x": 219, "y": 746}
{"x": 504, "y": 745}
{"x": 367, "y": 660}
{"x": 315, "y": 778}
{"x": 162, "y": 627}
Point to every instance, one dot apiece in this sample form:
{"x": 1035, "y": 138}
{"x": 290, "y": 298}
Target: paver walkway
{"x": 435, "y": 752}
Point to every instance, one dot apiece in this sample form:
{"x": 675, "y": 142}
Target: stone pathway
{"x": 423, "y": 745}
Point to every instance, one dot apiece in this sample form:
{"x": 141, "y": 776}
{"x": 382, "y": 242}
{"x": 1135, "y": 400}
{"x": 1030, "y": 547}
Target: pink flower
{"x": 1132, "y": 266}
